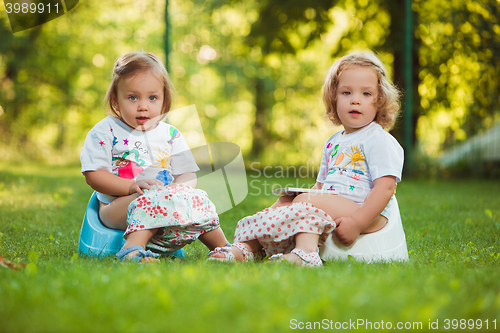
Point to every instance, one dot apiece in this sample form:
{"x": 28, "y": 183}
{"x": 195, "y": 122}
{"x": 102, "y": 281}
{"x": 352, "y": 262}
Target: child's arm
{"x": 350, "y": 227}
{"x": 317, "y": 186}
{"x": 108, "y": 183}
{"x": 188, "y": 178}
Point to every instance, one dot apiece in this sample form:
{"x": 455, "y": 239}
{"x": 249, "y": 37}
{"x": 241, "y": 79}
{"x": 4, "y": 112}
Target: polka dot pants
{"x": 275, "y": 228}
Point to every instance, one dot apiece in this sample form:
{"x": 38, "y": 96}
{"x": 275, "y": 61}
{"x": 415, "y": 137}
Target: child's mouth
{"x": 354, "y": 112}
{"x": 142, "y": 120}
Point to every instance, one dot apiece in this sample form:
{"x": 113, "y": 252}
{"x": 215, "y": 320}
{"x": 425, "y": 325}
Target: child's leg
{"x": 114, "y": 215}
{"x": 305, "y": 242}
{"x": 334, "y": 205}
{"x": 337, "y": 206}
{"x": 139, "y": 238}
{"x": 213, "y": 238}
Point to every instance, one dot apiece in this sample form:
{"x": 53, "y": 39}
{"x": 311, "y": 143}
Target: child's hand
{"x": 347, "y": 230}
{"x": 141, "y": 185}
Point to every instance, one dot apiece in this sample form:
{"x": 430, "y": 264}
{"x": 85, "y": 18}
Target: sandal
{"x": 308, "y": 259}
{"x": 229, "y": 256}
{"x": 122, "y": 254}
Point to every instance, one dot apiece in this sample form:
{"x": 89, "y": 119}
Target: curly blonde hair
{"x": 388, "y": 95}
{"x": 131, "y": 64}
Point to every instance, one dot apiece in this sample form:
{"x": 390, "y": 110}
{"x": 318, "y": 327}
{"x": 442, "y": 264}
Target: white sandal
{"x": 229, "y": 255}
{"x": 308, "y": 259}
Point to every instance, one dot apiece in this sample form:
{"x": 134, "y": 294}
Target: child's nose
{"x": 143, "y": 106}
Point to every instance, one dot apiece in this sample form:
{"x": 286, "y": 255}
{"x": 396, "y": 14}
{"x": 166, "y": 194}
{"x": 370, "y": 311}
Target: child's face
{"x": 139, "y": 100}
{"x": 122, "y": 162}
{"x": 357, "y": 95}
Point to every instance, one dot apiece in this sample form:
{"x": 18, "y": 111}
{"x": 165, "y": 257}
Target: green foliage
{"x": 53, "y": 77}
{"x": 460, "y": 42}
{"x": 247, "y": 94}
{"x": 254, "y": 70}
{"x": 286, "y": 27}
{"x": 452, "y": 230}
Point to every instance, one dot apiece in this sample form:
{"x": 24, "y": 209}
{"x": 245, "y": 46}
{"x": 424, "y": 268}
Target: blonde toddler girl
{"x": 142, "y": 168}
{"x": 360, "y": 168}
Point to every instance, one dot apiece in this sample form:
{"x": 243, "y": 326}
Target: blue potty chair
{"x": 96, "y": 240}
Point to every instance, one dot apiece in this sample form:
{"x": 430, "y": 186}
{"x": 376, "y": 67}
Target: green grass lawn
{"x": 452, "y": 230}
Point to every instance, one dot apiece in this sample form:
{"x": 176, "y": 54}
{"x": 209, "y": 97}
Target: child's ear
{"x": 114, "y": 102}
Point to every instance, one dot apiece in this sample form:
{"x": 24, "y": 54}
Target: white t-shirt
{"x": 351, "y": 162}
{"x": 159, "y": 153}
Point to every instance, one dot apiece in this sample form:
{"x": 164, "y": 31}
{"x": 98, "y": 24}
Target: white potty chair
{"x": 388, "y": 244}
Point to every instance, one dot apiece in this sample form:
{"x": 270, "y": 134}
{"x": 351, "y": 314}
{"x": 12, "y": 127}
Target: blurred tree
{"x": 455, "y": 45}
{"x": 13, "y": 52}
{"x": 380, "y": 26}
{"x": 458, "y": 61}
{"x": 207, "y": 66}
{"x": 288, "y": 27}
{"x": 53, "y": 77}
{"x": 254, "y": 69}
{"x": 283, "y": 27}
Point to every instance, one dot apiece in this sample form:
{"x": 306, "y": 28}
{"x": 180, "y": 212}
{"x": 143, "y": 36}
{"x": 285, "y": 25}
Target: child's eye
{"x": 346, "y": 93}
{"x": 367, "y": 93}
{"x": 132, "y": 98}
{"x": 153, "y": 98}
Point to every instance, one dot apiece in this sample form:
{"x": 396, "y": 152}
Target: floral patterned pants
{"x": 180, "y": 212}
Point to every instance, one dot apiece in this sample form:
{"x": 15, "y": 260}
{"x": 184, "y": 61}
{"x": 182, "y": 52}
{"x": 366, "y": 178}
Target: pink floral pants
{"x": 181, "y": 213}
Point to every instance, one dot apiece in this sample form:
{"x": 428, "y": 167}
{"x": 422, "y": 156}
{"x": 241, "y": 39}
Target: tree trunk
{"x": 260, "y": 135}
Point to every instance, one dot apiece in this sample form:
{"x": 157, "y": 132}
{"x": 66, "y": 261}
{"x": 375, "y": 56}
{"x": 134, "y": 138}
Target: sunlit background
{"x": 254, "y": 70}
